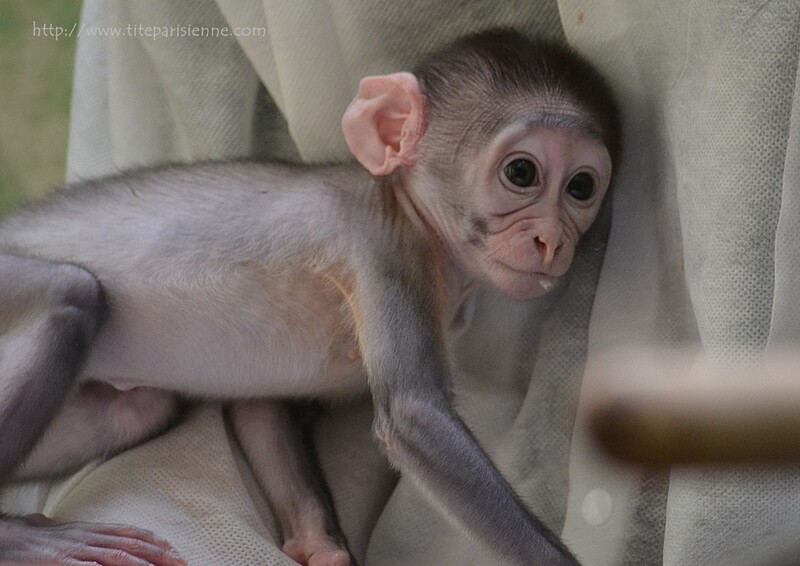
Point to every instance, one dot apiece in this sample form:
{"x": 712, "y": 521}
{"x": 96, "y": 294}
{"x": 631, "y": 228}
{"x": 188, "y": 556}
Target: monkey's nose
{"x": 547, "y": 246}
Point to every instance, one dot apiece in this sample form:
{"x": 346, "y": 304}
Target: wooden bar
{"x": 661, "y": 409}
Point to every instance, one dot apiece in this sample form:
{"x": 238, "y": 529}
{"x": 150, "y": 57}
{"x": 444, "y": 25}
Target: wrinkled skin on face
{"x": 508, "y": 187}
{"x": 513, "y": 217}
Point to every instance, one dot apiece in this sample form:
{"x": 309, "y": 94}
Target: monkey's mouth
{"x": 526, "y": 272}
{"x": 524, "y": 283}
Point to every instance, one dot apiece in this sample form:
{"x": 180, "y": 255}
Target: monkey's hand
{"x": 34, "y": 539}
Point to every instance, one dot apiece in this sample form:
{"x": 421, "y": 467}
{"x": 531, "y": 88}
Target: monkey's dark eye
{"x": 521, "y": 172}
{"x": 581, "y": 186}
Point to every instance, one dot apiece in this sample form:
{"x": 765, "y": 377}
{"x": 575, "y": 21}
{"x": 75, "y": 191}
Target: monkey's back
{"x": 244, "y": 255}
{"x": 217, "y": 211}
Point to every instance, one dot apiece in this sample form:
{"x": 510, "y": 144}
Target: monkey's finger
{"x": 103, "y": 562}
{"x": 123, "y": 545}
{"x": 127, "y": 531}
{"x": 127, "y": 551}
{"x": 133, "y": 552}
{"x": 40, "y": 540}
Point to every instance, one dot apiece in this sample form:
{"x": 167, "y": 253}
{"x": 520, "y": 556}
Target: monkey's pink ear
{"x": 383, "y": 124}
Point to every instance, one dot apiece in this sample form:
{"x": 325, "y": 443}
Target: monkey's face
{"x": 534, "y": 193}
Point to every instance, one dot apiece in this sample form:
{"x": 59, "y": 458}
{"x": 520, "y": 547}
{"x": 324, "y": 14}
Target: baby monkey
{"x": 260, "y": 283}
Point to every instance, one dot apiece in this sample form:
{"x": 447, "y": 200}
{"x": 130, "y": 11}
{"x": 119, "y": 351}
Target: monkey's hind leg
{"x": 97, "y": 422}
{"x": 272, "y": 440}
{"x": 49, "y": 315}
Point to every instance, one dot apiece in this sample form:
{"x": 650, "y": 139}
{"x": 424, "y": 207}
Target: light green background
{"x": 35, "y": 85}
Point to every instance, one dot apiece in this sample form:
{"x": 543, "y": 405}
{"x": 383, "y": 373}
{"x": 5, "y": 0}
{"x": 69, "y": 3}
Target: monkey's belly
{"x": 242, "y": 336}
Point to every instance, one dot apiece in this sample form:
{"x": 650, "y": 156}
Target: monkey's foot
{"x": 311, "y": 551}
{"x": 34, "y": 539}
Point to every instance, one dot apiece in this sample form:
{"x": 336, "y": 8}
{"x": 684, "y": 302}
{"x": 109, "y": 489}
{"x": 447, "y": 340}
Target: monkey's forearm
{"x": 424, "y": 437}
{"x": 434, "y": 449}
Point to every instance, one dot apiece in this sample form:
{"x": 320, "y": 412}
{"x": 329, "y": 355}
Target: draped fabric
{"x": 700, "y": 250}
